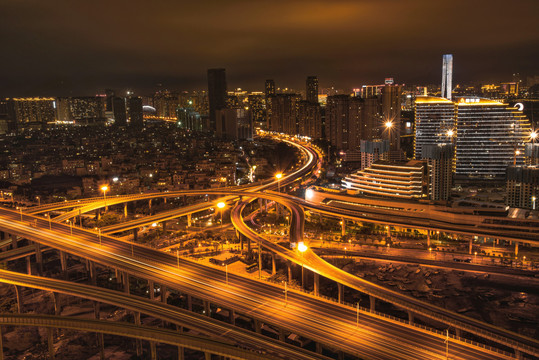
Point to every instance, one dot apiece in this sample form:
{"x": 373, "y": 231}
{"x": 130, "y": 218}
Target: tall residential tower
{"x": 447, "y": 76}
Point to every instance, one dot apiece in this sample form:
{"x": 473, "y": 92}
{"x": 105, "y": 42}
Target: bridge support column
{"x": 289, "y": 266}
{"x": 516, "y": 248}
{"x": 189, "y": 303}
{"x": 153, "y": 350}
{"x": 150, "y": 206}
{"x": 180, "y": 353}
{"x": 340, "y": 290}
{"x": 138, "y": 342}
{"x": 1, "y": 345}
{"x": 207, "y": 356}
{"x": 51, "y": 343}
{"x": 101, "y": 341}
{"x": 282, "y": 335}
{"x": 126, "y": 283}
{"x": 97, "y": 310}
{"x": 56, "y": 300}
{"x": 266, "y": 205}
{"x": 63, "y": 264}
{"x": 97, "y": 214}
{"x": 259, "y": 261}
{"x": 458, "y": 332}
{"x": 303, "y": 277}
{"x": 151, "y": 289}
{"x": 410, "y": 317}
{"x": 28, "y": 265}
{"x": 125, "y": 209}
{"x": 39, "y": 259}
{"x": 388, "y": 228}
{"x": 343, "y": 227}
{"x": 318, "y": 347}
{"x": 258, "y": 326}
{"x": 372, "y": 301}
{"x": 518, "y": 354}
{"x": 428, "y": 238}
{"x": 163, "y": 294}
{"x": 316, "y": 284}
{"x": 232, "y": 317}
{"x": 206, "y": 307}
{"x": 93, "y": 277}
{"x": 470, "y": 245}
{"x": 14, "y": 241}
{"x": 340, "y": 355}
{"x": 273, "y": 265}
{"x": 20, "y": 300}
{"x": 135, "y": 234}
{"x": 164, "y": 227}
{"x": 188, "y": 220}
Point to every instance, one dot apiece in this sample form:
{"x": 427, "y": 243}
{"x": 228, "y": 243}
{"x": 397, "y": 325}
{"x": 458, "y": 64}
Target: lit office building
{"x": 405, "y": 180}
{"x": 343, "y": 120}
{"x": 283, "y": 113}
{"x": 256, "y": 104}
{"x": 312, "y": 89}
{"x": 490, "y": 137}
{"x": 435, "y": 122}
{"x": 234, "y": 124}
{"x": 309, "y": 119}
{"x": 134, "y": 111}
{"x": 33, "y": 113}
{"x": 189, "y": 119}
{"x": 439, "y": 159}
{"x": 447, "y": 76}
{"x": 522, "y": 187}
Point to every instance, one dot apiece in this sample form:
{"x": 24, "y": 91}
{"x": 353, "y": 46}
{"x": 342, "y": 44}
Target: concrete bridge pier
{"x": 343, "y": 227}
{"x": 289, "y": 266}
{"x": 97, "y": 310}
{"x": 258, "y": 326}
{"x": 282, "y": 335}
{"x": 232, "y": 317}
{"x": 189, "y": 220}
{"x": 458, "y": 332}
{"x": 189, "y": 303}
{"x": 340, "y": 290}
{"x": 207, "y": 356}
{"x": 410, "y": 317}
{"x": 150, "y": 206}
{"x": 1, "y": 345}
{"x": 316, "y": 284}
{"x": 153, "y": 350}
{"x": 516, "y": 248}
{"x": 151, "y": 289}
{"x": 135, "y": 234}
{"x": 28, "y": 265}
{"x": 180, "y": 353}
{"x": 164, "y": 227}
{"x": 20, "y": 299}
{"x": 50, "y": 343}
{"x": 470, "y": 245}
{"x": 428, "y": 238}
{"x": 372, "y": 301}
{"x": 93, "y": 276}
{"x": 14, "y": 241}
{"x": 388, "y": 228}
{"x": 125, "y": 209}
{"x": 39, "y": 259}
{"x": 63, "y": 264}
{"x": 101, "y": 341}
{"x": 303, "y": 277}
{"x": 126, "y": 283}
{"x": 163, "y": 294}
{"x": 318, "y": 347}
{"x": 56, "y": 300}
{"x": 138, "y": 343}
{"x": 206, "y": 305}
{"x": 273, "y": 265}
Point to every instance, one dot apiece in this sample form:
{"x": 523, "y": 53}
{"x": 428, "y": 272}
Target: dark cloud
{"x": 72, "y": 46}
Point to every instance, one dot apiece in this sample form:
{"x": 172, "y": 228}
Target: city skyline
{"x": 66, "y": 50}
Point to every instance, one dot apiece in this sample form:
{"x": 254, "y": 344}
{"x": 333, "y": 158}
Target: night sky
{"x": 70, "y": 47}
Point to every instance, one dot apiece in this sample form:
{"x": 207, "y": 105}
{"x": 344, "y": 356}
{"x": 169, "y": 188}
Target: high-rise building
{"x": 447, "y": 76}
{"x": 343, "y": 119}
{"x": 269, "y": 88}
{"x": 312, "y": 89}
{"x": 522, "y": 187}
{"x": 81, "y": 109}
{"x": 119, "y": 110}
{"x": 372, "y": 151}
{"x": 283, "y": 113}
{"x": 439, "y": 159}
{"x": 490, "y": 137}
{"x": 217, "y": 93}
{"x": 134, "y": 111}
{"x": 8, "y": 123}
{"x": 391, "y": 114}
{"x": 256, "y": 104}
{"x": 371, "y": 124}
{"x": 234, "y": 124}
{"x": 189, "y": 119}
{"x": 33, "y": 113}
{"x": 165, "y": 104}
{"x": 269, "y": 91}
{"x": 309, "y": 120}
{"x": 435, "y": 122}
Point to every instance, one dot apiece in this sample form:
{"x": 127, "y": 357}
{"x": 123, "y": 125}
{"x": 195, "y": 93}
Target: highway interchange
{"x": 329, "y": 323}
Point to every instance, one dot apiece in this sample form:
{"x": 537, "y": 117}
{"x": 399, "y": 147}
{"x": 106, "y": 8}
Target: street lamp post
{"x": 104, "y": 188}
{"x": 278, "y": 176}
{"x": 38, "y": 200}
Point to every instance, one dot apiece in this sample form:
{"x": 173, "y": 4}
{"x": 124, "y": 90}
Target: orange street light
{"x": 221, "y": 205}
{"x": 450, "y": 133}
{"x": 278, "y": 176}
{"x": 389, "y": 124}
{"x": 302, "y": 247}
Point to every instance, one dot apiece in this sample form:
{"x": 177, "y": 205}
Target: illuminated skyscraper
{"x": 435, "y": 119}
{"x": 312, "y": 89}
{"x": 490, "y": 137}
{"x": 309, "y": 120}
{"x": 33, "y": 113}
{"x": 217, "y": 94}
{"x": 134, "y": 111}
{"x": 283, "y": 113}
{"x": 343, "y": 120}
{"x": 447, "y": 76}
